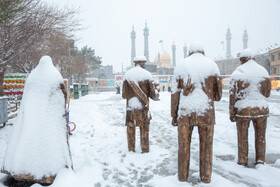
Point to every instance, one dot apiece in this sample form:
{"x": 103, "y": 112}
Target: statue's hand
{"x": 174, "y": 122}
{"x": 232, "y": 119}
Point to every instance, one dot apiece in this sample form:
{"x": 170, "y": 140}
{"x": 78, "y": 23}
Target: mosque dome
{"x": 164, "y": 59}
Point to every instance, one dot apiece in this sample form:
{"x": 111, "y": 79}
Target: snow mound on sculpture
{"x": 196, "y": 46}
{"x": 249, "y": 71}
{"x": 134, "y": 104}
{"x": 196, "y": 66}
{"x": 137, "y": 74}
{"x": 37, "y": 145}
{"x": 248, "y": 53}
{"x": 253, "y": 73}
{"x": 197, "y": 102}
{"x": 140, "y": 58}
{"x": 195, "y": 69}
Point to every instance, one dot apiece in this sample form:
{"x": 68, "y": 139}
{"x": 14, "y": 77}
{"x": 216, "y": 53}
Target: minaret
{"x": 185, "y": 49}
{"x": 173, "y": 54}
{"x": 146, "y": 42}
{"x": 133, "y": 50}
{"x": 228, "y": 38}
{"x": 159, "y": 63}
{"x": 245, "y": 39}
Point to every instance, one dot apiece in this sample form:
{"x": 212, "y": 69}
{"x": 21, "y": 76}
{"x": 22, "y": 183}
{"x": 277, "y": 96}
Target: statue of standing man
{"x": 138, "y": 87}
{"x": 196, "y": 85}
{"x": 249, "y": 87}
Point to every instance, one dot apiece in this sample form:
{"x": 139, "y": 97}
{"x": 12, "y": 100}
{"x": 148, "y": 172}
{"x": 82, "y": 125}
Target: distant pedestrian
{"x": 163, "y": 88}
{"x": 250, "y": 86}
{"x": 118, "y": 89}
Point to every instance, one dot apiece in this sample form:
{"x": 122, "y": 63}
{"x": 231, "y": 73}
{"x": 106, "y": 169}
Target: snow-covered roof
{"x": 137, "y": 74}
{"x": 140, "y": 59}
{"x": 248, "y": 53}
{"x": 195, "y": 46}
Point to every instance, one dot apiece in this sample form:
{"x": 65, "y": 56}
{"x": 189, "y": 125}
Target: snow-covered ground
{"x": 100, "y": 155}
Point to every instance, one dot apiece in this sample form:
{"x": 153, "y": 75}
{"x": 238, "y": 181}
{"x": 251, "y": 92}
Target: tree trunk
{"x": 1, "y": 81}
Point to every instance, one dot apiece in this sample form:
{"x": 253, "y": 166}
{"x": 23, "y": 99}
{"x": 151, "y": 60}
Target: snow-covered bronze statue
{"x": 38, "y": 144}
{"x": 138, "y": 87}
{"x": 196, "y": 85}
{"x": 249, "y": 87}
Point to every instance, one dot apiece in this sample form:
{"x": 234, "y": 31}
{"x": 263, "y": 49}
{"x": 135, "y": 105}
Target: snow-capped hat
{"x": 250, "y": 53}
{"x": 156, "y": 82}
{"x": 196, "y": 47}
{"x": 140, "y": 59}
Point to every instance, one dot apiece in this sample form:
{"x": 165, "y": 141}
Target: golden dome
{"x": 164, "y": 61}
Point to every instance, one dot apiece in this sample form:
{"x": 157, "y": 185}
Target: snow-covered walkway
{"x": 100, "y": 155}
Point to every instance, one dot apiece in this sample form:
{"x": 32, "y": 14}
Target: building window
{"x": 272, "y": 58}
{"x": 229, "y": 65}
{"x": 278, "y": 56}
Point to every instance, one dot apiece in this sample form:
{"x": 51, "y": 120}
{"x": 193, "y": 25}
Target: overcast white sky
{"x": 109, "y": 24}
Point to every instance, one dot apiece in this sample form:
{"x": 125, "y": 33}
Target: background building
{"x": 104, "y": 72}
{"x": 275, "y": 61}
{"x": 162, "y": 64}
{"x": 269, "y": 58}
{"x": 227, "y": 66}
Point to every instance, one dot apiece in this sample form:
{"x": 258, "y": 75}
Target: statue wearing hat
{"x": 249, "y": 87}
{"x": 196, "y": 85}
{"x": 138, "y": 87}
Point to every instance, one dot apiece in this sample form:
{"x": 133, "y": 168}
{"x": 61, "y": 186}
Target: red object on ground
{"x": 74, "y": 127}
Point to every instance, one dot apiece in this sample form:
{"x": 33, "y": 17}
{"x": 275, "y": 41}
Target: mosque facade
{"x": 265, "y": 57}
{"x": 162, "y": 63}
